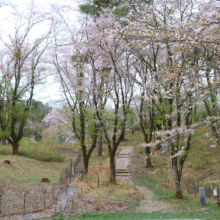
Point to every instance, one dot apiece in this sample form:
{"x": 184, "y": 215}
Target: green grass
{"x": 45, "y": 150}
{"x": 24, "y": 170}
{"x": 136, "y": 136}
{"x": 189, "y": 206}
{"x": 137, "y": 215}
{"x": 36, "y": 160}
{"x": 159, "y": 191}
{"x": 154, "y": 180}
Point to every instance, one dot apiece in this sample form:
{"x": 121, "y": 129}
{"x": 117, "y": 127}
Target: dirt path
{"x": 149, "y": 204}
{"x": 124, "y": 171}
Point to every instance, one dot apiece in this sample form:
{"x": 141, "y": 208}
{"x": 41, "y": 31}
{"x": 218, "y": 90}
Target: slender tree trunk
{"x": 112, "y": 179}
{"x": 99, "y": 147}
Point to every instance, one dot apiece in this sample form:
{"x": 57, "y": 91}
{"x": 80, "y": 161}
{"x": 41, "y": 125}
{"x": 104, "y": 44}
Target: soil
{"x": 148, "y": 204}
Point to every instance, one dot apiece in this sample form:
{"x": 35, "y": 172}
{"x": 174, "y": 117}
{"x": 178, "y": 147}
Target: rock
{"x": 45, "y": 180}
{"x": 7, "y": 162}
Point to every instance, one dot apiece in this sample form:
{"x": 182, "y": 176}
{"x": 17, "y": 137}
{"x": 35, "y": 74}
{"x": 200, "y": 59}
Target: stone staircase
{"x": 122, "y": 163}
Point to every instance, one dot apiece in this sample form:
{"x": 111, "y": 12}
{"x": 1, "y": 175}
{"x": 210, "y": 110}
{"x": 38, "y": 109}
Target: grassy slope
{"x": 24, "y": 170}
{"x": 48, "y": 161}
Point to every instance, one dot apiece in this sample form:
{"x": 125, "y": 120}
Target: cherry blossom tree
{"x": 158, "y": 46}
{"x": 114, "y": 61}
{"x": 180, "y": 34}
{"x": 70, "y": 61}
{"x": 58, "y": 122}
{"x": 21, "y": 66}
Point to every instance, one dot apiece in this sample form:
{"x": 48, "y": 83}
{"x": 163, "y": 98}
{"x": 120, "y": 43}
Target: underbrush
{"x": 5, "y": 150}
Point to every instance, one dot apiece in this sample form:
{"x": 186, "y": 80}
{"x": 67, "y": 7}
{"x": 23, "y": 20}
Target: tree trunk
{"x": 148, "y": 163}
{"x": 178, "y": 192}
{"x": 15, "y": 147}
{"x": 99, "y": 147}
{"x": 112, "y": 179}
{"x": 177, "y": 179}
{"x": 123, "y": 137}
{"x": 148, "y": 160}
{"x": 85, "y": 165}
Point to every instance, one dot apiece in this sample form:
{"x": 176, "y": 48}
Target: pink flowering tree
{"x": 58, "y": 125}
{"x": 170, "y": 39}
{"x": 70, "y": 61}
{"x": 113, "y": 66}
{"x": 21, "y": 66}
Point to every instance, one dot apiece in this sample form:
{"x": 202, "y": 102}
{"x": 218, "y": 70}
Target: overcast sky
{"x": 49, "y": 91}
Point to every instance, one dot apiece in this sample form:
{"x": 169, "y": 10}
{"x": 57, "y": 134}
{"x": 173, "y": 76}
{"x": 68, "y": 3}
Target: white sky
{"x": 50, "y": 91}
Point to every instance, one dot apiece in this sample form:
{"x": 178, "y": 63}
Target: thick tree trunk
{"x": 112, "y": 179}
{"x": 177, "y": 179}
{"x": 99, "y": 147}
{"x": 15, "y": 147}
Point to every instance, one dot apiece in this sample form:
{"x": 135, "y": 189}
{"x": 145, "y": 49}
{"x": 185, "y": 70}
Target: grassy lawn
{"x": 132, "y": 216}
{"x": 140, "y": 216}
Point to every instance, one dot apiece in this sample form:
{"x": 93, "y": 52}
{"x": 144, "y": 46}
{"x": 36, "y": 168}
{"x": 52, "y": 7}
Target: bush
{"x": 5, "y": 150}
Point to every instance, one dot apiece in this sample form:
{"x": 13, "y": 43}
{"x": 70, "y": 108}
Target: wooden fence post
{"x": 1, "y": 203}
{"x": 24, "y": 202}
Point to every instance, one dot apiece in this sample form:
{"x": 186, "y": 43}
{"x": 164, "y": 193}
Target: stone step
{"x": 128, "y": 171}
{"x": 123, "y": 155}
{"x": 123, "y": 175}
{"x": 123, "y": 172}
{"x": 124, "y": 169}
